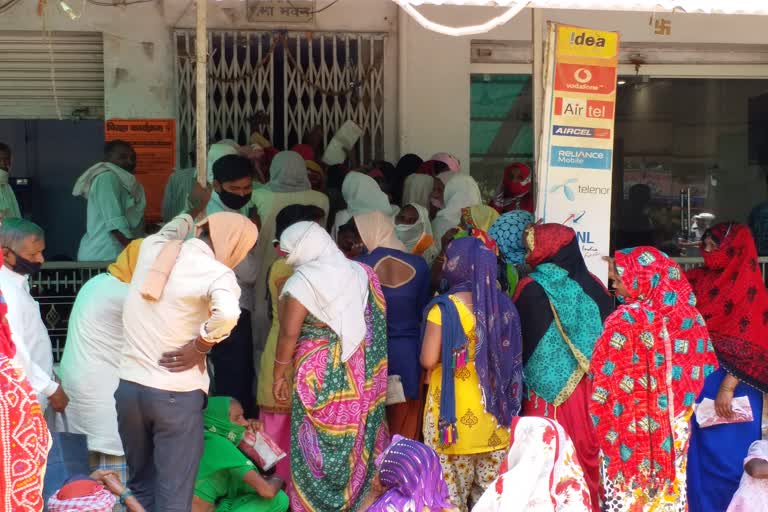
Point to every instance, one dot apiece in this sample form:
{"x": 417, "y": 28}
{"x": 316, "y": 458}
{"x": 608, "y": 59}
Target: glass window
{"x": 675, "y": 138}
{"x": 501, "y": 126}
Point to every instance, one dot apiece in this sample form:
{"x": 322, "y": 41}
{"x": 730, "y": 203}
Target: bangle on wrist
{"x": 207, "y": 345}
{"x": 125, "y": 495}
{"x": 282, "y": 363}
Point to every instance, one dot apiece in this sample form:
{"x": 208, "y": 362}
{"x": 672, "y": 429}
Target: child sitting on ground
{"x": 753, "y": 490}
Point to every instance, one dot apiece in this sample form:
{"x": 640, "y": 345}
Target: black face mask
{"x": 233, "y": 201}
{"x": 25, "y": 267}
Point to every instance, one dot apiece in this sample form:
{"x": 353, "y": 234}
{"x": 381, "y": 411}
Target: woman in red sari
{"x": 24, "y": 437}
{"x": 562, "y": 306}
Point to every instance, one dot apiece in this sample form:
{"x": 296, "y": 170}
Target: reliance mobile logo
{"x": 581, "y": 158}
{"x": 585, "y": 78}
{"x": 581, "y": 131}
{"x": 577, "y": 107}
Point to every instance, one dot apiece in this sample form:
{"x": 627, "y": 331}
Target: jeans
{"x": 162, "y": 435}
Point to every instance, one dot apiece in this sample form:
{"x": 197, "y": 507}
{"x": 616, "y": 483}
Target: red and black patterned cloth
{"x": 734, "y": 302}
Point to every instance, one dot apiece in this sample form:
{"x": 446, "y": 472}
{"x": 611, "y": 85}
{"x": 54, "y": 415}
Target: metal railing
{"x": 55, "y": 288}
{"x": 57, "y": 284}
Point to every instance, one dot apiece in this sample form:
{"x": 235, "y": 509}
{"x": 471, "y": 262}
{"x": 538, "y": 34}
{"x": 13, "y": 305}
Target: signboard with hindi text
{"x": 154, "y": 141}
{"x": 575, "y": 165}
{"x": 281, "y": 11}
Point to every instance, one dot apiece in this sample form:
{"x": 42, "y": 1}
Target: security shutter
{"x": 26, "y": 81}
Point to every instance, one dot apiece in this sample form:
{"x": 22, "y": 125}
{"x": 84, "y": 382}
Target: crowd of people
{"x": 406, "y": 345}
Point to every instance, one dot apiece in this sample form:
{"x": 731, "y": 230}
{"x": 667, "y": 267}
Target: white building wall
{"x": 139, "y": 77}
{"x": 435, "y": 69}
{"x": 427, "y": 91}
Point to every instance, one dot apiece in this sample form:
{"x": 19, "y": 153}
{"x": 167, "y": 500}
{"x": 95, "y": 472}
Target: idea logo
{"x": 583, "y": 78}
{"x": 587, "y": 43}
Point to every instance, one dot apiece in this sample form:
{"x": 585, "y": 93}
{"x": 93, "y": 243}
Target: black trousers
{"x": 233, "y": 372}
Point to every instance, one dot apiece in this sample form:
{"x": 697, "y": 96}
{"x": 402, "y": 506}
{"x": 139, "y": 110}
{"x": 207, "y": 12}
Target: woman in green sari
{"x": 227, "y": 480}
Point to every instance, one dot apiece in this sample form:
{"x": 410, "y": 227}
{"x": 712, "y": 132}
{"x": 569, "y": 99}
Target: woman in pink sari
{"x": 333, "y": 328}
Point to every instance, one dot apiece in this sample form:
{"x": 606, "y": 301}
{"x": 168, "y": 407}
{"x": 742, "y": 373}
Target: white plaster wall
{"x": 139, "y": 78}
{"x": 435, "y": 69}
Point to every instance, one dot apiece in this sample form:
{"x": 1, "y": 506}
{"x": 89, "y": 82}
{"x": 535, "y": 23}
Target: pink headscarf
{"x": 232, "y": 236}
{"x": 451, "y": 161}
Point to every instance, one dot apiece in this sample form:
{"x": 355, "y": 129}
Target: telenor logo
{"x": 581, "y": 131}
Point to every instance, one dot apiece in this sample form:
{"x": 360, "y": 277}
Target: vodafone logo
{"x": 585, "y": 78}
{"x": 583, "y": 75}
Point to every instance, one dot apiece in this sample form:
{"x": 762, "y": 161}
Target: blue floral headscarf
{"x": 508, "y": 233}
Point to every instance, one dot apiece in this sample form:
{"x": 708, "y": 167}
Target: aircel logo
{"x": 581, "y": 131}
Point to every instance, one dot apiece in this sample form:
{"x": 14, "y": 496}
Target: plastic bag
{"x": 706, "y": 415}
{"x": 261, "y": 449}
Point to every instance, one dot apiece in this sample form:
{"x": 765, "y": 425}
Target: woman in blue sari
{"x": 734, "y": 302}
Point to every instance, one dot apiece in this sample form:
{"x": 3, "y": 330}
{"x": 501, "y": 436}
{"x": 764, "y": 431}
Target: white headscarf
{"x": 219, "y": 149}
{"x": 333, "y": 288}
{"x": 288, "y": 173}
{"x": 378, "y": 230}
{"x": 411, "y": 234}
{"x": 460, "y": 192}
{"x": 363, "y": 195}
{"x": 417, "y": 189}
{"x": 543, "y": 474}
{"x": 127, "y": 180}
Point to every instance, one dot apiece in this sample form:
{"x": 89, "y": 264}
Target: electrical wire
{"x": 318, "y": 11}
{"x": 7, "y": 6}
{"x": 118, "y": 3}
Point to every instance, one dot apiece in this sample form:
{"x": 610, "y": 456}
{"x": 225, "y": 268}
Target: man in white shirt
{"x": 91, "y": 360}
{"x": 116, "y": 204}
{"x": 23, "y": 243}
{"x": 163, "y": 376}
{"x": 9, "y": 207}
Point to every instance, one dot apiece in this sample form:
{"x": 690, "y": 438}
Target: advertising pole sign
{"x": 576, "y": 160}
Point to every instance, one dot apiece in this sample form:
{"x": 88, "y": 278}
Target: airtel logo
{"x": 583, "y": 75}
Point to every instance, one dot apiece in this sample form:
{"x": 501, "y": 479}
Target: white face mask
{"x": 410, "y": 234}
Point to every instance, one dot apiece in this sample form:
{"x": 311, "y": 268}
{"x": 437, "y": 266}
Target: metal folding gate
{"x": 284, "y": 84}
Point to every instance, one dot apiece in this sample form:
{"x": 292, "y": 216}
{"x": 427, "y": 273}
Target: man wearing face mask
{"x": 233, "y": 361}
{"x": 23, "y": 243}
{"x": 116, "y": 204}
